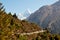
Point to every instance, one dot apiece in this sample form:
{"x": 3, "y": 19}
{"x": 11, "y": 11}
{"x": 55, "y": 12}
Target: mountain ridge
{"x": 47, "y": 17}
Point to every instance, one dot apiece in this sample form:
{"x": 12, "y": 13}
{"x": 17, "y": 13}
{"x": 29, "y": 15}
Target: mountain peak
{"x": 24, "y": 15}
{"x": 28, "y": 11}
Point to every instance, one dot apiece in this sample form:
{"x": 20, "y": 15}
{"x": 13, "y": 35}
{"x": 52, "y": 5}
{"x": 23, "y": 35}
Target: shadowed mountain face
{"x": 48, "y": 17}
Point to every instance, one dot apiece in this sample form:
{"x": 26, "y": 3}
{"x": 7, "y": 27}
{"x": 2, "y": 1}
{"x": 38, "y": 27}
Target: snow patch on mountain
{"x": 24, "y": 15}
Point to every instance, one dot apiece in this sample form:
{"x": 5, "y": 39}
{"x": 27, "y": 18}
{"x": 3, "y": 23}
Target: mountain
{"x": 11, "y": 28}
{"x": 24, "y": 15}
{"x": 47, "y": 17}
{"x": 27, "y": 13}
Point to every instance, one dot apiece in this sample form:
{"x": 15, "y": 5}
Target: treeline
{"x": 2, "y": 10}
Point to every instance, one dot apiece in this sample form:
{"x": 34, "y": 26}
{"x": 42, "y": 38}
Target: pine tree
{"x": 14, "y": 15}
{"x": 9, "y": 13}
{"x": 1, "y": 8}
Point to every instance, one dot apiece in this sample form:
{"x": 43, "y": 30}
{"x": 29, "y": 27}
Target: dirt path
{"x": 36, "y": 32}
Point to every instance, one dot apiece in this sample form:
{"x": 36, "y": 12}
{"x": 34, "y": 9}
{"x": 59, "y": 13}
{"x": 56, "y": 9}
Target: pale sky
{"x": 19, "y": 6}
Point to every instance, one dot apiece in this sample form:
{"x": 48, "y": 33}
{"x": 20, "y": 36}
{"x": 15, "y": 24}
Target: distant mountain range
{"x": 24, "y": 15}
{"x": 47, "y": 17}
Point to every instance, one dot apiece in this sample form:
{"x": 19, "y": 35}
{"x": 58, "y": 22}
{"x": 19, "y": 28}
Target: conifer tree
{"x": 14, "y": 15}
{"x": 2, "y": 8}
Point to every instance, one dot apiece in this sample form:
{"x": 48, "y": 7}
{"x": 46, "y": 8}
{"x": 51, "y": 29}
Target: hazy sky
{"x": 19, "y": 6}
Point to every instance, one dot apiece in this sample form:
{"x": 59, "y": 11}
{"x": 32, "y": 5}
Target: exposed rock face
{"x": 48, "y": 17}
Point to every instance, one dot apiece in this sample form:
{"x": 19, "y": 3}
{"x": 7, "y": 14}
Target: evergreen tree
{"x": 14, "y": 15}
{"x": 9, "y": 13}
{"x": 2, "y": 8}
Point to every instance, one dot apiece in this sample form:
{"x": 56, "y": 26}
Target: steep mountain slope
{"x": 40, "y": 14}
{"x": 48, "y": 17}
